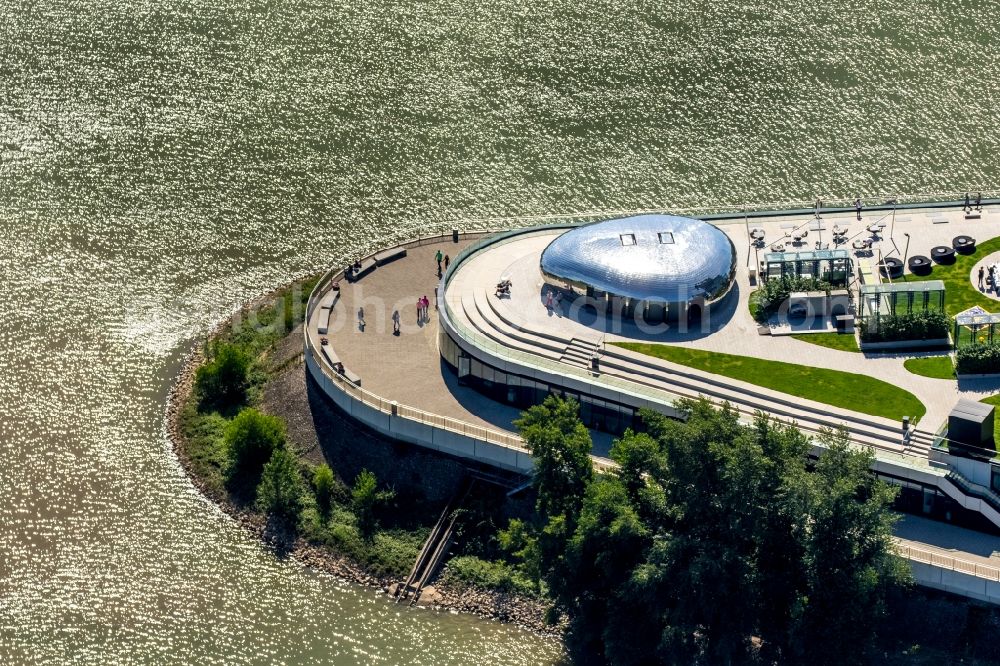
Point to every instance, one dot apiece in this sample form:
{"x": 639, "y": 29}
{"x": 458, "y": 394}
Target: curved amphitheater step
{"x": 492, "y": 321}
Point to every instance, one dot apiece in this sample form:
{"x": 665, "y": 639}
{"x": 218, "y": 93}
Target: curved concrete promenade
{"x": 399, "y": 385}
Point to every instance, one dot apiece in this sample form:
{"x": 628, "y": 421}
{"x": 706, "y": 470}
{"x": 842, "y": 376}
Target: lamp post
{"x": 892, "y": 225}
{"x": 907, "y": 250}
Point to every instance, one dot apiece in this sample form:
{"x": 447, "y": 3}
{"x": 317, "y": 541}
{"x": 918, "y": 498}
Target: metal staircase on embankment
{"x": 436, "y": 546}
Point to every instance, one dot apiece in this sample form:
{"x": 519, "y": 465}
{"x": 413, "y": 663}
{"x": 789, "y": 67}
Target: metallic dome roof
{"x": 673, "y": 259}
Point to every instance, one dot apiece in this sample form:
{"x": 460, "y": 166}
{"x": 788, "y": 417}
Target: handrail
{"x": 385, "y": 406}
{"x": 968, "y": 486}
{"x": 725, "y": 211}
{"x": 565, "y": 221}
{"x": 918, "y": 554}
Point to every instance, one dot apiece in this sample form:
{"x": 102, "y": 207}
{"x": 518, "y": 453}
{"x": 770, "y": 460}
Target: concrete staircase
{"x": 579, "y": 352}
{"x": 493, "y": 319}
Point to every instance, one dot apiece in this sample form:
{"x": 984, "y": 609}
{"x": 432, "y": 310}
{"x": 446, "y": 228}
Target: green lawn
{"x": 842, "y": 341}
{"x": 935, "y": 367}
{"x": 858, "y": 393}
{"x": 992, "y": 400}
{"x": 995, "y": 401}
{"x": 961, "y": 294}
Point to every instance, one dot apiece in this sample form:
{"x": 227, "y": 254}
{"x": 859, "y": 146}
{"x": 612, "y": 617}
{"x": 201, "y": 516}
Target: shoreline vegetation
{"x": 354, "y": 529}
{"x": 627, "y": 568}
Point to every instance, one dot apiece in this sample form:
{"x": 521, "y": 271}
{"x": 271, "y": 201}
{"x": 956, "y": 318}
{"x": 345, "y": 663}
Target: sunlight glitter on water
{"x": 161, "y": 163}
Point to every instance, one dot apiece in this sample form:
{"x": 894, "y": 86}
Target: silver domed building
{"x": 659, "y": 267}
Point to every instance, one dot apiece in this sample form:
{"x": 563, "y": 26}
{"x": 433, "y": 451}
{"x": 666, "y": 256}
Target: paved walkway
{"x": 985, "y": 263}
{"x": 407, "y": 367}
{"x": 950, "y": 540}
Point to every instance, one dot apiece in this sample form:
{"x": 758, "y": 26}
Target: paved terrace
{"x": 734, "y": 331}
{"x": 407, "y": 368}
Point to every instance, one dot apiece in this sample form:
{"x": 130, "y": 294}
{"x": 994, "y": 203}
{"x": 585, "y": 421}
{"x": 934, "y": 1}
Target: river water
{"x": 161, "y": 161}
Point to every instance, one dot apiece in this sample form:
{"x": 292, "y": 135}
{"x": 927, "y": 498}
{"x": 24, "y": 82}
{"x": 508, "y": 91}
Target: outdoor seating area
{"x": 943, "y": 254}
{"x": 833, "y": 266}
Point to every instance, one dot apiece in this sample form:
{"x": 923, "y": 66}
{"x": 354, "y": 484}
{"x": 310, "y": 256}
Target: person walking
{"x": 420, "y": 312}
{"x": 438, "y": 257}
{"x": 548, "y": 301}
{"x": 966, "y": 206}
{"x": 361, "y": 319}
{"x": 395, "y": 318}
{"x": 447, "y": 261}
{"x": 425, "y": 304}
{"x": 981, "y": 273}
{"x": 857, "y": 207}
{"x": 979, "y": 207}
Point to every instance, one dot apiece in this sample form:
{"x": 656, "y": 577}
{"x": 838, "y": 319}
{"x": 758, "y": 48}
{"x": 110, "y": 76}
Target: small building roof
{"x": 810, "y": 255}
{"x": 902, "y": 287}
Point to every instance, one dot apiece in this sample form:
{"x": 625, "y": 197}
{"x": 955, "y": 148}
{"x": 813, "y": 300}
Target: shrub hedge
{"x": 978, "y": 359}
{"x": 775, "y": 291}
{"x": 913, "y": 326}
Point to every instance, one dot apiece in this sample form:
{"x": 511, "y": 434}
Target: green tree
{"x": 223, "y": 381}
{"x": 714, "y": 543}
{"x": 849, "y": 557}
{"x": 366, "y": 499}
{"x": 280, "y": 489}
{"x": 323, "y": 483}
{"x": 560, "y": 445}
{"x": 250, "y": 439}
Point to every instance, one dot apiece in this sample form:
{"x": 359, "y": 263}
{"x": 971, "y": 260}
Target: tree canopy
{"x": 250, "y": 439}
{"x": 223, "y": 380}
{"x": 714, "y": 542}
{"x": 280, "y": 489}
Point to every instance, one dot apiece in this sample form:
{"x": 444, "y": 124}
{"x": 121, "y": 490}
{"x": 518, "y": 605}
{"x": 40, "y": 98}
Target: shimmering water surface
{"x": 161, "y": 161}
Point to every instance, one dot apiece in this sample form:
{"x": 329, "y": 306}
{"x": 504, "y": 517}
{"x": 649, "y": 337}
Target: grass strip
{"x": 846, "y": 390}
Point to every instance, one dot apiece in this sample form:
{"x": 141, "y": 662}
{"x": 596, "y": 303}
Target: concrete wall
{"x": 977, "y": 471}
{"x": 412, "y": 431}
{"x": 956, "y": 582}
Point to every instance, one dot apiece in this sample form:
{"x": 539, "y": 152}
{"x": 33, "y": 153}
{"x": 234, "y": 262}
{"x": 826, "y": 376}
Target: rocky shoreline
{"x": 509, "y": 608}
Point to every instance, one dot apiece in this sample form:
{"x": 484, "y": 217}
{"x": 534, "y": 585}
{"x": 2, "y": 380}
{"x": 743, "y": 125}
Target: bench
{"x": 367, "y": 266}
{"x": 334, "y": 361}
{"x": 390, "y": 255}
{"x": 330, "y": 356}
{"x": 844, "y": 322}
{"x": 325, "y": 310}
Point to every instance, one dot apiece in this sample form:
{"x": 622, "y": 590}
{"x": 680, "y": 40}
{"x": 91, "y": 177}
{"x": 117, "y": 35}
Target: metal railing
{"x": 391, "y": 407}
{"x": 828, "y": 205}
{"x": 918, "y": 554}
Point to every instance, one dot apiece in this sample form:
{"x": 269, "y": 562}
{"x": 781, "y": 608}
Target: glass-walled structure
{"x": 976, "y": 328}
{"x": 884, "y": 300}
{"x": 833, "y": 266}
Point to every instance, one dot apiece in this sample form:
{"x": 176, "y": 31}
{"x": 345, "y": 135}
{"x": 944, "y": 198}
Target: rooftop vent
{"x": 628, "y": 239}
{"x": 666, "y": 237}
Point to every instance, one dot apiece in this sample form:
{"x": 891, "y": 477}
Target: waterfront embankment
{"x": 269, "y": 331}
